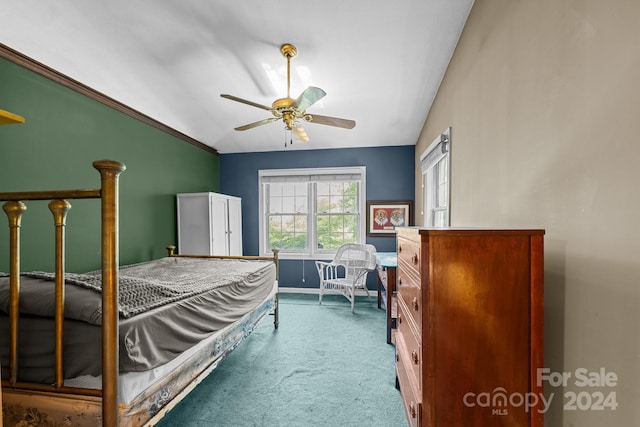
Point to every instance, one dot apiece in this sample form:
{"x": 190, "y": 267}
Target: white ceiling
{"x": 380, "y": 62}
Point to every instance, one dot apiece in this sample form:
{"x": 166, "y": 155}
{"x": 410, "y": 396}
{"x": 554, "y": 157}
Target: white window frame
{"x": 431, "y": 158}
{"x": 310, "y": 175}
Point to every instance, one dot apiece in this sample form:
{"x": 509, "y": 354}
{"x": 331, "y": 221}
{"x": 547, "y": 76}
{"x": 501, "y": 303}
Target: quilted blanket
{"x": 148, "y": 285}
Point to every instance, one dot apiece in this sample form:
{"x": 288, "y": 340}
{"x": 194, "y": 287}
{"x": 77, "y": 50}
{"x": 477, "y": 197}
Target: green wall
{"x": 63, "y": 133}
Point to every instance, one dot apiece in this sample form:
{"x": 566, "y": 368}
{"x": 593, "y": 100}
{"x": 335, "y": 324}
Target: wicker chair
{"x": 348, "y": 271}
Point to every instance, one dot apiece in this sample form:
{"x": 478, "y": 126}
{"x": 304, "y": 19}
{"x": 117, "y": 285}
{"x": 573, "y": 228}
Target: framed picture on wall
{"x": 383, "y": 216}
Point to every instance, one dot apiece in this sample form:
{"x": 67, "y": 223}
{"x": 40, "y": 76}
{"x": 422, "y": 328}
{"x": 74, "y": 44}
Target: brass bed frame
{"x": 59, "y": 205}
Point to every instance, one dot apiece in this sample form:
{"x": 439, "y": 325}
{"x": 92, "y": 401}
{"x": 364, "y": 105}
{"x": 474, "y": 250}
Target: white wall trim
{"x": 316, "y": 291}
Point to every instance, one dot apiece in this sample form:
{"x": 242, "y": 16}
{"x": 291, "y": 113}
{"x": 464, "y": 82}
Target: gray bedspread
{"x": 148, "y": 285}
{"x": 155, "y": 334}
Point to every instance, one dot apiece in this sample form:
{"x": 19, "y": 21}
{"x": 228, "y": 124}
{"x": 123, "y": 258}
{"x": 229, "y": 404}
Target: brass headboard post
{"x": 59, "y": 209}
{"x": 14, "y": 211}
{"x": 14, "y": 208}
{"x": 109, "y": 171}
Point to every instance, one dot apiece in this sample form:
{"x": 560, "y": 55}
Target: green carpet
{"x": 322, "y": 367}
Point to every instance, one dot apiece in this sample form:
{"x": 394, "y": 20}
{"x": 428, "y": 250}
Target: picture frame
{"x": 383, "y": 216}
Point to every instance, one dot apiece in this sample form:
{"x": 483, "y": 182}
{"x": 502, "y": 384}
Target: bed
{"x": 77, "y": 349}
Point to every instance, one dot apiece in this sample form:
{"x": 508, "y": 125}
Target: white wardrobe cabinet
{"x": 209, "y": 224}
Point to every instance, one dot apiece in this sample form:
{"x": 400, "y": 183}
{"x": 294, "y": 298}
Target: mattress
{"x": 142, "y": 396}
{"x": 223, "y": 292}
{"x": 188, "y": 363}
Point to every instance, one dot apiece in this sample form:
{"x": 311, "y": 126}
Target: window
{"x": 435, "y": 163}
{"x": 311, "y": 212}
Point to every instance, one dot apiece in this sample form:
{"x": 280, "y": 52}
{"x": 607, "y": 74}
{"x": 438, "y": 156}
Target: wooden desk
{"x": 386, "y": 265}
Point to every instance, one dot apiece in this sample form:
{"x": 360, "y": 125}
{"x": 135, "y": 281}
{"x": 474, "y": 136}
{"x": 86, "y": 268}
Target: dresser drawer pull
{"x": 414, "y": 356}
{"x": 399, "y": 281}
{"x": 412, "y": 410}
{"x": 399, "y": 248}
{"x": 399, "y": 319}
{"x": 414, "y": 259}
{"x": 414, "y": 302}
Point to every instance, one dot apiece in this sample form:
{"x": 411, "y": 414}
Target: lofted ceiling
{"x": 380, "y": 62}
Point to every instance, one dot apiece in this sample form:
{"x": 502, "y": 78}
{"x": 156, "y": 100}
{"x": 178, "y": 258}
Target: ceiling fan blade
{"x": 244, "y": 101}
{"x": 299, "y": 132}
{"x": 256, "y": 124}
{"x": 309, "y": 96}
{"x": 330, "y": 121}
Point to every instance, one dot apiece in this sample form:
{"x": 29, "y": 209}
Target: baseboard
{"x": 316, "y": 291}
{"x": 313, "y": 291}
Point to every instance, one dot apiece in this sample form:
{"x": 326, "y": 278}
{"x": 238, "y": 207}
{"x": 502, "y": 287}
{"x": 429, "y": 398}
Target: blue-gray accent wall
{"x": 390, "y": 176}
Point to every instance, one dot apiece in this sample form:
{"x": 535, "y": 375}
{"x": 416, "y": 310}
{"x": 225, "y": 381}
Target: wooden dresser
{"x": 470, "y": 326}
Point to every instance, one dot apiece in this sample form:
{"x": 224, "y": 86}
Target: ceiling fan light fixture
{"x": 289, "y": 119}
{"x": 300, "y": 133}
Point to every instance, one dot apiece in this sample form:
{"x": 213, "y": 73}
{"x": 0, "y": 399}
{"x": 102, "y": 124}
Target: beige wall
{"x": 543, "y": 98}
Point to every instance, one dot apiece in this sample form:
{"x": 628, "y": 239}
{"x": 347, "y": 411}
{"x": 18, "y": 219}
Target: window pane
{"x": 323, "y": 226}
{"x": 275, "y": 223}
{"x": 288, "y": 205}
{"x": 351, "y": 224}
{"x": 442, "y": 196}
{"x": 275, "y": 189}
{"x": 300, "y": 188}
{"x": 335, "y": 230}
{"x": 440, "y": 218}
{"x": 337, "y": 197}
{"x": 323, "y": 188}
{"x": 301, "y": 203}
{"x": 350, "y": 199}
{"x": 323, "y": 204}
{"x": 336, "y": 187}
{"x": 336, "y": 204}
{"x": 288, "y": 232}
{"x": 442, "y": 170}
{"x": 441, "y": 184}
{"x": 275, "y": 202}
{"x": 287, "y": 198}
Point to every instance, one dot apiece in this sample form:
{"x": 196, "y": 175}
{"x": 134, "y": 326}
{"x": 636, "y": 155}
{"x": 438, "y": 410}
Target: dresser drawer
{"x": 411, "y": 397}
{"x": 409, "y": 255}
{"x": 411, "y": 296}
{"x": 410, "y": 344}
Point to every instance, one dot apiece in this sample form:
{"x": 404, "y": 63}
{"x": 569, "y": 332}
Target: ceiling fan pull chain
{"x": 290, "y": 141}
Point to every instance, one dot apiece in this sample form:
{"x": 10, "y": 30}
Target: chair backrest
{"x": 357, "y": 259}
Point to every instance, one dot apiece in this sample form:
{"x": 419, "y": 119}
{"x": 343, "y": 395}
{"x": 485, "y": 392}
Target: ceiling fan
{"x": 290, "y": 110}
